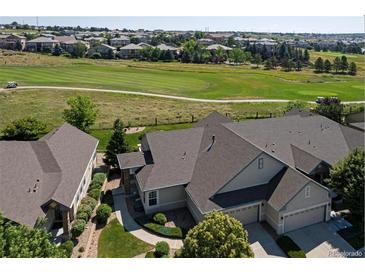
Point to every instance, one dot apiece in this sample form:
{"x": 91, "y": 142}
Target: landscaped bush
{"x": 78, "y": 227}
{"x": 94, "y": 193}
{"x": 89, "y": 201}
{"x": 170, "y": 232}
{"x": 99, "y": 178}
{"x": 291, "y": 249}
{"x": 108, "y": 198}
{"x": 103, "y": 212}
{"x": 150, "y": 254}
{"x": 67, "y": 247}
{"x": 85, "y": 208}
{"x": 82, "y": 215}
{"x": 160, "y": 218}
{"x": 161, "y": 249}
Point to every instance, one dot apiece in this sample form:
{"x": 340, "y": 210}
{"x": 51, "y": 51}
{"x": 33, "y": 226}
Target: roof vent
{"x": 184, "y": 155}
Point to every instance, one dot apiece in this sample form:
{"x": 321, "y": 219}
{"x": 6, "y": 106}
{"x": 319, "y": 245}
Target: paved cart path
{"x": 225, "y": 101}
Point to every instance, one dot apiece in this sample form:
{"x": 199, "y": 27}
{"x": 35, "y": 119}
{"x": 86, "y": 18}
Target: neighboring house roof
{"x": 214, "y": 118}
{"x": 166, "y": 47}
{"x": 315, "y": 134}
{"x": 65, "y": 39}
{"x": 131, "y": 47}
{"x": 216, "y": 46}
{"x": 36, "y": 172}
{"x": 42, "y": 39}
{"x": 121, "y": 38}
{"x": 358, "y": 125}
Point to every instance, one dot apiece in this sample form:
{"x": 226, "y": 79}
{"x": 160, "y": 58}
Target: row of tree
{"x": 339, "y": 65}
{"x": 339, "y": 47}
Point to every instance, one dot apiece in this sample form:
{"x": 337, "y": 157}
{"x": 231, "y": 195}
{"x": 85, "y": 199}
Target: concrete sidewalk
{"x": 135, "y": 229}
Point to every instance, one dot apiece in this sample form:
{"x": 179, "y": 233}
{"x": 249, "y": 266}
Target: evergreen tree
{"x": 319, "y": 65}
{"x": 186, "y": 57}
{"x": 298, "y": 65}
{"x": 116, "y": 145}
{"x": 168, "y": 55}
{"x": 257, "y": 59}
{"x": 352, "y": 69}
{"x": 344, "y": 63}
{"x": 306, "y": 56}
{"x": 268, "y": 64}
{"x": 57, "y": 51}
{"x": 337, "y": 64}
{"x": 327, "y": 66}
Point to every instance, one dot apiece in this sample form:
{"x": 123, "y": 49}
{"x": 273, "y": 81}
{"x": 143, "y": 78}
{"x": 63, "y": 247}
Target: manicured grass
{"x": 291, "y": 249}
{"x": 116, "y": 242}
{"x": 170, "y": 232}
{"x": 191, "y": 80}
{"x": 134, "y": 110}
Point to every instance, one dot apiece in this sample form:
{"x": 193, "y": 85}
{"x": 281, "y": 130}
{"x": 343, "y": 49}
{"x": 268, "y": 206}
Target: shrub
{"x": 177, "y": 253}
{"x": 67, "y": 247}
{"x": 161, "y": 249}
{"x": 82, "y": 215}
{"x": 94, "y": 193}
{"x": 99, "y": 178}
{"x": 160, "y": 218}
{"x": 150, "y": 254}
{"x": 290, "y": 247}
{"x": 89, "y": 201}
{"x": 108, "y": 198}
{"x": 170, "y": 232}
{"x": 96, "y": 55}
{"x": 78, "y": 227}
{"x": 81, "y": 249}
{"x": 103, "y": 212}
{"x": 85, "y": 208}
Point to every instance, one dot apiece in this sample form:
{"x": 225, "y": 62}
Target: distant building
{"x": 105, "y": 50}
{"x": 120, "y": 41}
{"x": 214, "y": 47}
{"x": 205, "y": 41}
{"x": 42, "y": 44}
{"x": 12, "y": 41}
{"x": 130, "y": 51}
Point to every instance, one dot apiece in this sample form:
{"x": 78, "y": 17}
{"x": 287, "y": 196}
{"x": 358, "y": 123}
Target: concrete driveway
{"x": 321, "y": 241}
{"x": 261, "y": 242}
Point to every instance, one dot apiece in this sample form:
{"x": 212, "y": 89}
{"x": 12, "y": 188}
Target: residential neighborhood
{"x": 172, "y": 143}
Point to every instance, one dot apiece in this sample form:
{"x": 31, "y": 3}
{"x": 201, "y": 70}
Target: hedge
{"x": 99, "y": 178}
{"x": 89, "y": 201}
{"x": 94, "y": 193}
{"x": 291, "y": 249}
{"x": 67, "y": 247}
{"x": 103, "y": 212}
{"x": 169, "y": 232}
{"x": 160, "y": 218}
{"x": 82, "y": 215}
{"x": 85, "y": 208}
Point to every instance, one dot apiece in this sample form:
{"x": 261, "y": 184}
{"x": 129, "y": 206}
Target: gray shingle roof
{"x": 131, "y": 160}
{"x": 131, "y": 46}
{"x": 53, "y": 166}
{"x": 42, "y": 39}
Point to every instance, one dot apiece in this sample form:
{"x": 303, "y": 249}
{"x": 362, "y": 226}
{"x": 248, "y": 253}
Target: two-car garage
{"x": 304, "y": 218}
{"x": 246, "y": 215}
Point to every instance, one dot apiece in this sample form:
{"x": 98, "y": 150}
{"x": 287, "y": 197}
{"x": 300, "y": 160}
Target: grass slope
{"x": 198, "y": 81}
{"x": 116, "y": 242}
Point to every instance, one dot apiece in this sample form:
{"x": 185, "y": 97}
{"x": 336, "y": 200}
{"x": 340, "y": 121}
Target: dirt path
{"x": 224, "y": 101}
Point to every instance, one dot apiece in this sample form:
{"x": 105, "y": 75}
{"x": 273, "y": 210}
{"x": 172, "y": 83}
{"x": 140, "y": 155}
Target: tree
{"x": 294, "y": 105}
{"x": 82, "y": 112}
{"x": 79, "y": 50}
{"x": 168, "y": 55}
{"x": 257, "y": 59}
{"x": 327, "y": 66}
{"x": 319, "y": 65}
{"x": 18, "y": 45}
{"x": 337, "y": 64}
{"x": 236, "y": 56}
{"x": 352, "y": 69}
{"x": 217, "y": 236}
{"x": 268, "y": 64}
{"x": 116, "y": 145}
{"x": 57, "y": 50}
{"x": 306, "y": 56}
{"x": 331, "y": 108}
{"x": 344, "y": 63}
{"x": 347, "y": 179}
{"x": 20, "y": 241}
{"x": 24, "y": 129}
{"x": 298, "y": 65}
{"x": 231, "y": 42}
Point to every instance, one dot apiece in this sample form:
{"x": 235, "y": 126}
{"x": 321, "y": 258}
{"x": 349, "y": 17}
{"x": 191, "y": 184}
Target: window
{"x": 307, "y": 192}
{"x": 261, "y": 163}
{"x": 152, "y": 198}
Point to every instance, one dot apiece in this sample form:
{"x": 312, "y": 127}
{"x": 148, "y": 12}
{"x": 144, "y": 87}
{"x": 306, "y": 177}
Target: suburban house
{"x": 130, "y": 51}
{"x": 46, "y": 178}
{"x": 260, "y": 170}
{"x": 356, "y": 120}
{"x": 12, "y": 41}
{"x": 164, "y": 47}
{"x": 214, "y": 48}
{"x": 119, "y": 41}
{"x": 93, "y": 41}
{"x": 41, "y": 43}
{"x": 104, "y": 49}
{"x": 205, "y": 41}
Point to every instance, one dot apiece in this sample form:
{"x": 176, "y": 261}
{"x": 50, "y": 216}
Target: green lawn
{"x": 198, "y": 81}
{"x": 116, "y": 242}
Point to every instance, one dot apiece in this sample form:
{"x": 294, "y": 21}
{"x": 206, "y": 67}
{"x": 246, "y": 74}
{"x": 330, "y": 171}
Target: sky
{"x": 297, "y": 24}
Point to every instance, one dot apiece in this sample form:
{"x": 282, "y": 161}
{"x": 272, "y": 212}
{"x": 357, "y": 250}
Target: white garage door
{"x": 304, "y": 218}
{"x": 245, "y": 215}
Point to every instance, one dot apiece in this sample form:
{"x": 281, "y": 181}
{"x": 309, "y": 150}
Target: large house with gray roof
{"x": 260, "y": 170}
{"x": 46, "y": 178}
